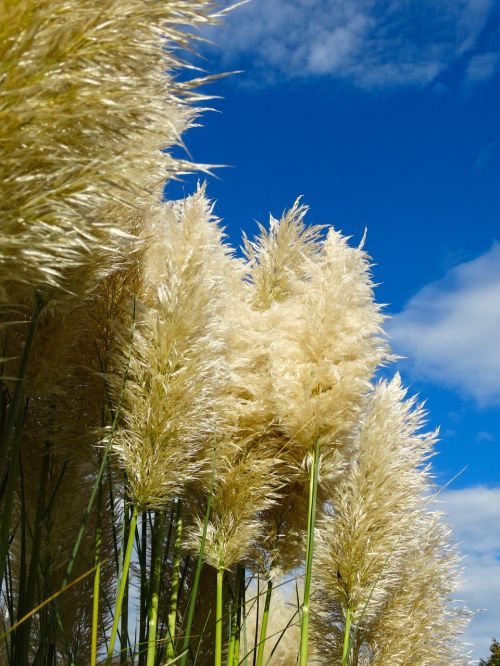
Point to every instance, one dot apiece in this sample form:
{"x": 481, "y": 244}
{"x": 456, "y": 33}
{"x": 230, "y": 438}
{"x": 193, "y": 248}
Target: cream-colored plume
{"x": 245, "y": 488}
{"x": 326, "y": 347}
{"x": 86, "y": 109}
{"x": 249, "y": 468}
{"x": 173, "y": 394}
{"x": 283, "y": 632}
{"x": 367, "y": 543}
{"x": 323, "y": 341}
{"x": 420, "y": 624}
{"x": 276, "y": 257}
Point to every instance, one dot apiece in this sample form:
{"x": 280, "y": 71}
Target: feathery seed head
{"x": 276, "y": 257}
{"x": 328, "y": 347}
{"x": 85, "y": 110}
{"x": 173, "y": 394}
{"x": 245, "y": 488}
{"x": 367, "y": 541}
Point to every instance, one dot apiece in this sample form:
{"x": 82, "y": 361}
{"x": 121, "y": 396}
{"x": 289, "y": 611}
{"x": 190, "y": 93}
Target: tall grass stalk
{"x": 122, "y": 584}
{"x": 199, "y": 565}
{"x": 265, "y": 619}
{"x": 347, "y": 638}
{"x": 97, "y": 581}
{"x": 239, "y": 613}
{"x": 244, "y": 623}
{"x": 218, "y": 617}
{"x": 174, "y": 594}
{"x": 124, "y": 611}
{"x": 311, "y": 520}
{"x": 158, "y": 534}
{"x": 143, "y": 610}
{"x": 235, "y": 612}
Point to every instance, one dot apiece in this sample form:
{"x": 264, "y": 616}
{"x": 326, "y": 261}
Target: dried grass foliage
{"x": 86, "y": 111}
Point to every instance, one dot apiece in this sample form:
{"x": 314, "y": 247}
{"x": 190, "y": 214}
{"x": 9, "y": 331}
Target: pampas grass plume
{"x": 172, "y": 401}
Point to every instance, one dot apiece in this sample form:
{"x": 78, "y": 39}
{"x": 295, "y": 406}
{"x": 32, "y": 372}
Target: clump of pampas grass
{"x": 235, "y": 394}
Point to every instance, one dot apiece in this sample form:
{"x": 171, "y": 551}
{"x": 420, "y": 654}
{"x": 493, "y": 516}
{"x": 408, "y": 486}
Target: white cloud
{"x": 449, "y": 331}
{"x": 482, "y": 67}
{"x": 372, "y": 43}
{"x": 483, "y": 436}
{"x": 474, "y": 514}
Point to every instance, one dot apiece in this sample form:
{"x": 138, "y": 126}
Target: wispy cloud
{"x": 449, "y": 331}
{"x": 372, "y": 43}
{"x": 486, "y": 154}
{"x": 474, "y": 514}
{"x": 482, "y": 67}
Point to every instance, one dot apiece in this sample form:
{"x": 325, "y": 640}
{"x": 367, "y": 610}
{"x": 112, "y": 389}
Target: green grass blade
{"x": 122, "y": 584}
{"x": 158, "y": 534}
{"x": 265, "y": 619}
{"x": 311, "y": 519}
{"x": 174, "y": 595}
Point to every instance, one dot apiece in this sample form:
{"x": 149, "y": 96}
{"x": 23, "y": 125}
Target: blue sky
{"x": 386, "y": 115}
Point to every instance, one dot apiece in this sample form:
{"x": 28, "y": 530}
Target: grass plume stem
{"x": 174, "y": 594}
{"x": 218, "y": 617}
{"x": 239, "y": 613}
{"x": 347, "y": 638}
{"x": 265, "y": 619}
{"x": 143, "y": 611}
{"x": 158, "y": 533}
{"x": 124, "y": 611}
{"x": 97, "y": 580}
{"x": 235, "y": 612}
{"x": 311, "y": 519}
{"x": 197, "y": 574}
{"x": 122, "y": 583}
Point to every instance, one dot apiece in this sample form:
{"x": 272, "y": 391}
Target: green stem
{"x": 196, "y": 584}
{"x": 234, "y": 621}
{"x": 239, "y": 614}
{"x": 158, "y": 534}
{"x": 311, "y": 518}
{"x": 265, "y": 619}
{"x": 174, "y": 594}
{"x": 256, "y": 632}
{"x": 9, "y": 502}
{"x": 127, "y": 534}
{"x": 218, "y": 617}
{"x": 97, "y": 581}
{"x": 347, "y": 637}
{"x": 122, "y": 584}
{"x": 244, "y": 612}
{"x": 143, "y": 611}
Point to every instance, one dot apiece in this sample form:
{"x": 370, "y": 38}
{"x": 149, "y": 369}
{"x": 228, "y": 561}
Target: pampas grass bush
{"x": 197, "y": 462}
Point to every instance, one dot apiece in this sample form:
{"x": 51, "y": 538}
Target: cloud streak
{"x": 449, "y": 330}
{"x": 372, "y": 43}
